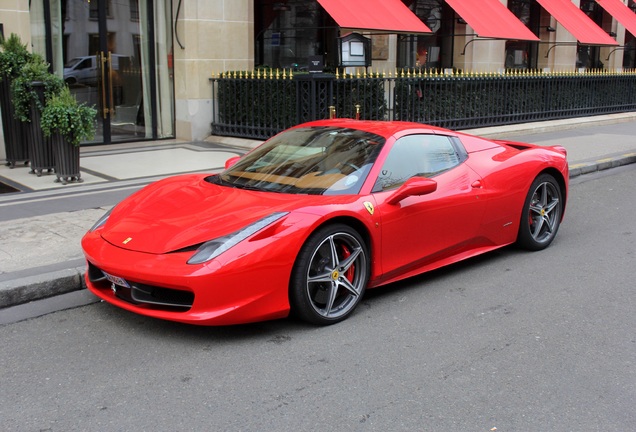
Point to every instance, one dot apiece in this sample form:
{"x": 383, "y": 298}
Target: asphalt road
{"x": 513, "y": 340}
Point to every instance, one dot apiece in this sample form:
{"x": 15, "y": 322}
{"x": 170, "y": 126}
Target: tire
{"x": 330, "y": 275}
{"x": 541, "y": 215}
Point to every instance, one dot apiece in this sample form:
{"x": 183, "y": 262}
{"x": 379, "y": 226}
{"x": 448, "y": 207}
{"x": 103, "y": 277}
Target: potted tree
{"x": 13, "y": 55}
{"x": 67, "y": 122}
{"x": 30, "y": 90}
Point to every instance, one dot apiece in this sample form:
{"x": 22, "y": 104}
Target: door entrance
{"x": 109, "y": 65}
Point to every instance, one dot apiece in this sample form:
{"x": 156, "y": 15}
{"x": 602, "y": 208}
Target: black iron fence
{"x": 260, "y": 104}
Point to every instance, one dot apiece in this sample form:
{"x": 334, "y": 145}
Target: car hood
{"x": 185, "y": 211}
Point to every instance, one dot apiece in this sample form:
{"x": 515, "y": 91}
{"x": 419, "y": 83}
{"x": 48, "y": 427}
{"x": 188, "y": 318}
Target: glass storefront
{"x": 116, "y": 56}
{"x": 432, "y": 52}
{"x": 587, "y": 56}
{"x": 629, "y": 54}
{"x": 523, "y": 54}
{"x": 288, "y": 32}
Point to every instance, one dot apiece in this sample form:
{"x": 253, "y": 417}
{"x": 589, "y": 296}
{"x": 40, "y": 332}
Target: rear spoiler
{"x": 525, "y": 146}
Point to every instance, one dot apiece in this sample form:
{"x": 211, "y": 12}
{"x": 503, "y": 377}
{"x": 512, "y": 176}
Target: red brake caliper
{"x": 346, "y": 253}
{"x": 530, "y": 218}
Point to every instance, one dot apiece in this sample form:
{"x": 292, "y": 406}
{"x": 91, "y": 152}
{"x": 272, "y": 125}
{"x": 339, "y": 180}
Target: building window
{"x": 134, "y": 10}
{"x": 289, "y": 32}
{"x": 629, "y": 54}
{"x": 588, "y": 57}
{"x": 93, "y": 12}
{"x": 432, "y": 52}
{"x": 523, "y": 54}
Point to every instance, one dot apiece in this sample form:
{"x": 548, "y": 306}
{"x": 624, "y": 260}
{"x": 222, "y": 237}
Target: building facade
{"x": 146, "y": 65}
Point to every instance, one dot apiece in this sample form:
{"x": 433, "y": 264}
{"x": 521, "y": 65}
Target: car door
{"x": 421, "y": 229}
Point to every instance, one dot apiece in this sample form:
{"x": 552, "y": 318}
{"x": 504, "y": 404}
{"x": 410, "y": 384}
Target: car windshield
{"x": 72, "y": 62}
{"x": 312, "y": 160}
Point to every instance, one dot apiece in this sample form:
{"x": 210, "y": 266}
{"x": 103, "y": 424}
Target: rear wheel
{"x": 330, "y": 275}
{"x": 541, "y": 214}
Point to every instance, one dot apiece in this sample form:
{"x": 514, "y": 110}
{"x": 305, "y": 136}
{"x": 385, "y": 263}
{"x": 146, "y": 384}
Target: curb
{"x": 512, "y": 130}
{"x": 23, "y": 290}
{"x": 601, "y": 164}
{"x": 27, "y": 289}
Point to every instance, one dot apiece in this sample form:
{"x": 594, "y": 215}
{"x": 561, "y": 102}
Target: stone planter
{"x": 15, "y": 148}
{"x": 67, "y": 160}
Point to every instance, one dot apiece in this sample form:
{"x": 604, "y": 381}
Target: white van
{"x": 84, "y": 69}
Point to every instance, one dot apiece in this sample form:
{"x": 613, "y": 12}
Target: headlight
{"x": 101, "y": 221}
{"x": 216, "y": 247}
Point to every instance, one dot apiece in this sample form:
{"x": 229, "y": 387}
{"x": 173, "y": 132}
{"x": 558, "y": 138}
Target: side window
{"x": 416, "y": 155}
{"x": 85, "y": 64}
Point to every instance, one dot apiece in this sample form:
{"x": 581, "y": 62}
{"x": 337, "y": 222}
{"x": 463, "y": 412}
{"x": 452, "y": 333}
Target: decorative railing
{"x": 260, "y": 104}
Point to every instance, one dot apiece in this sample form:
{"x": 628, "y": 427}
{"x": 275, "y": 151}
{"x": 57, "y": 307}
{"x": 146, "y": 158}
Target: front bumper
{"x": 243, "y": 286}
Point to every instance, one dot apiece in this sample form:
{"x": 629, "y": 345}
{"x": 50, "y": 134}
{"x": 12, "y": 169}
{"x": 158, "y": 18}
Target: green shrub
{"x": 23, "y": 92}
{"x": 13, "y": 55}
{"x": 64, "y": 115}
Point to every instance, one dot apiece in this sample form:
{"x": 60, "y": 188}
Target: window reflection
{"x": 523, "y": 54}
{"x": 430, "y": 51}
{"x": 289, "y": 31}
{"x": 416, "y": 155}
{"x": 629, "y": 54}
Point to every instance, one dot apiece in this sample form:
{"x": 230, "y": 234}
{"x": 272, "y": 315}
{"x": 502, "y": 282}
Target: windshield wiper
{"x": 217, "y": 179}
{"x": 247, "y": 187}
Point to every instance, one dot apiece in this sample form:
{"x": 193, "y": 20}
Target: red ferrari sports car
{"x": 317, "y": 214}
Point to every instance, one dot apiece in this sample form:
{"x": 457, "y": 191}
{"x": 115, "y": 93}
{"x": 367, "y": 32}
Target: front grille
{"x": 161, "y": 296}
{"x": 141, "y": 294}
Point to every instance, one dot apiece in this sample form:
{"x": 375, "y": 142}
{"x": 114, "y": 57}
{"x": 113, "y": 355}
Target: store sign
{"x": 316, "y": 64}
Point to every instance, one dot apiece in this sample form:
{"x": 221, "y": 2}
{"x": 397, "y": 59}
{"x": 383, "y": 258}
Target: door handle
{"x": 107, "y": 93}
{"x": 102, "y": 60}
{"x": 110, "y": 83}
{"x": 476, "y": 184}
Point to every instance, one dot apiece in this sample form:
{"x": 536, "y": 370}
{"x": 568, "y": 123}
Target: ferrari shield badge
{"x": 127, "y": 240}
{"x": 369, "y": 207}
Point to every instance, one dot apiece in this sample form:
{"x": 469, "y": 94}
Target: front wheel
{"x": 330, "y": 275}
{"x": 542, "y": 212}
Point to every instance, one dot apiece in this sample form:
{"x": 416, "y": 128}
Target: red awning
{"x": 621, "y": 13}
{"x": 490, "y": 18}
{"x": 387, "y": 16}
{"x": 576, "y": 22}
